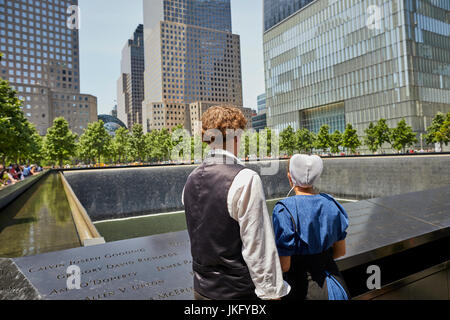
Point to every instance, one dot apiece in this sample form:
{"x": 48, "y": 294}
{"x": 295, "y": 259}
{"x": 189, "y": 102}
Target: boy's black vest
{"x": 220, "y": 272}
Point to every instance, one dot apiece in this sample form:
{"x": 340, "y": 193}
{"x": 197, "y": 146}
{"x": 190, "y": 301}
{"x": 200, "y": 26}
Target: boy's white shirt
{"x": 247, "y": 205}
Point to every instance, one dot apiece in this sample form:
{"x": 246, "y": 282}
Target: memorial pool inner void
{"x": 151, "y": 224}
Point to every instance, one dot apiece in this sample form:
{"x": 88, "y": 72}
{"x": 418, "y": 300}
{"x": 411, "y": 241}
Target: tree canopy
{"x": 350, "y": 139}
{"x": 60, "y": 142}
{"x": 305, "y": 140}
{"x": 287, "y": 141}
{"x": 402, "y": 136}
{"x": 323, "y": 140}
{"x": 438, "y": 132}
{"x": 335, "y": 141}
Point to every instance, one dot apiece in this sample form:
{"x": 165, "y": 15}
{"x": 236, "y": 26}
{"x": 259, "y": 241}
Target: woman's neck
{"x": 299, "y": 191}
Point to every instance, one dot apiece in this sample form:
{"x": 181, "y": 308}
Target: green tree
{"x": 95, "y": 142}
{"x": 402, "y": 136}
{"x": 60, "y": 142}
{"x": 305, "y": 140}
{"x": 165, "y": 143}
{"x": 198, "y": 148}
{"x": 178, "y": 135}
{"x": 350, "y": 139}
{"x": 34, "y": 151}
{"x": 437, "y": 133}
{"x": 14, "y": 128}
{"x": 370, "y": 140}
{"x": 323, "y": 138}
{"x": 138, "y": 148}
{"x": 19, "y": 139}
{"x": 445, "y": 131}
{"x": 287, "y": 143}
{"x": 335, "y": 141}
{"x": 121, "y": 145}
{"x": 151, "y": 144}
{"x": 264, "y": 140}
{"x": 160, "y": 144}
{"x": 382, "y": 133}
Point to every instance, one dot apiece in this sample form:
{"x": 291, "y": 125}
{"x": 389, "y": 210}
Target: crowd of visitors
{"x": 15, "y": 173}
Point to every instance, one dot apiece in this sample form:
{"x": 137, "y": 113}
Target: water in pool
{"x": 114, "y": 230}
{"x": 39, "y": 221}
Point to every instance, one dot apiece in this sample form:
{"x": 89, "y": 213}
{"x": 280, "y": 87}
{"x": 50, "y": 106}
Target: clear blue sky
{"x": 107, "y": 24}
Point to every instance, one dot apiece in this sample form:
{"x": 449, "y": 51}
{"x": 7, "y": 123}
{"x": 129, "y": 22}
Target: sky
{"x": 106, "y": 25}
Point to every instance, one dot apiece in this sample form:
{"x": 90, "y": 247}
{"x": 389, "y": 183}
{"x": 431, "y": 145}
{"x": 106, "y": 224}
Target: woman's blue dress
{"x": 306, "y": 227}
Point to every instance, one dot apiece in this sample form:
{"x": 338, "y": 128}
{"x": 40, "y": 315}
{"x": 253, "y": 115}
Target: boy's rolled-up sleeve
{"x": 247, "y": 205}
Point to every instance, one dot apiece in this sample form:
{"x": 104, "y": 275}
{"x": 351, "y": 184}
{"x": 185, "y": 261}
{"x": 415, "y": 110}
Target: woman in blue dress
{"x": 310, "y": 231}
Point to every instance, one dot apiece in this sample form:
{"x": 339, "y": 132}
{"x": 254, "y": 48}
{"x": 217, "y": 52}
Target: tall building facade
{"x": 41, "y": 61}
{"x": 259, "y": 122}
{"x": 191, "y": 56}
{"x": 261, "y": 103}
{"x": 356, "y": 61}
{"x": 130, "y": 86}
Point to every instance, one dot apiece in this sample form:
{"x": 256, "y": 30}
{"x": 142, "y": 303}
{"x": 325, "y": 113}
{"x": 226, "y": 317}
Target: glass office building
{"x": 41, "y": 61}
{"x": 357, "y": 61}
{"x": 211, "y": 14}
{"x": 276, "y": 11}
{"x": 261, "y": 103}
{"x": 130, "y": 86}
{"x": 191, "y": 56}
{"x": 259, "y": 122}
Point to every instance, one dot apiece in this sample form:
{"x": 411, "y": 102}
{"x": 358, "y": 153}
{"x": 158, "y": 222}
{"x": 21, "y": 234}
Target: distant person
{"x": 13, "y": 172}
{"x": 27, "y": 172}
{"x": 9, "y": 176}
{"x": 310, "y": 231}
{"x": 3, "y": 176}
{"x": 232, "y": 240}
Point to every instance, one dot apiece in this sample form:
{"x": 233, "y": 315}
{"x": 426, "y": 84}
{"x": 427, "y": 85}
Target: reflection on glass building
{"x": 259, "y": 122}
{"x": 261, "y": 102}
{"x": 111, "y": 123}
{"x": 191, "y": 56}
{"x": 357, "y": 61}
{"x": 276, "y": 11}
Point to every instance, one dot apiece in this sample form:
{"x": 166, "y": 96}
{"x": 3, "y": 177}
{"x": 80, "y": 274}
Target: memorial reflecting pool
{"x": 39, "y": 221}
{"x": 121, "y": 229}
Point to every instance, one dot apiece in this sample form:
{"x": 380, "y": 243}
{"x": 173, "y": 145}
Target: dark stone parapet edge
{"x": 11, "y": 193}
{"x": 352, "y": 261}
{"x": 13, "y": 283}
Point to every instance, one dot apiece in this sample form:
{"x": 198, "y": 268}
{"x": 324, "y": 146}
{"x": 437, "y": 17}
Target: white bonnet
{"x": 305, "y": 170}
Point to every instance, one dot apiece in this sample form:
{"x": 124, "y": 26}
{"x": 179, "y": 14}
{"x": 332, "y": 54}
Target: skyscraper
{"x": 41, "y": 61}
{"x": 259, "y": 122}
{"x": 337, "y": 62}
{"x": 191, "y": 56}
{"x": 130, "y": 86}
